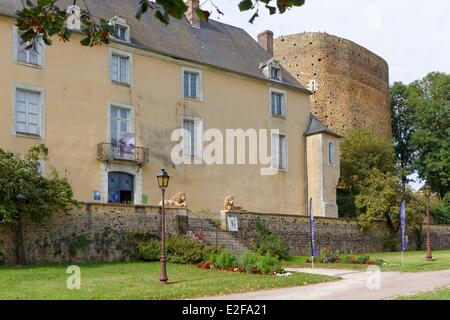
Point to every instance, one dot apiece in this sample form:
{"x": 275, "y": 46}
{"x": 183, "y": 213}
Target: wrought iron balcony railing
{"x": 119, "y": 153}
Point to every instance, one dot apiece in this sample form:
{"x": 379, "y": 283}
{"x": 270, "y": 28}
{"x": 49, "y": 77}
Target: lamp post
{"x": 163, "y": 181}
{"x": 427, "y": 193}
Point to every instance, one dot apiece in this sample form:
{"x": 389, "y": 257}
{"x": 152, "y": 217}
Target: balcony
{"x": 109, "y": 152}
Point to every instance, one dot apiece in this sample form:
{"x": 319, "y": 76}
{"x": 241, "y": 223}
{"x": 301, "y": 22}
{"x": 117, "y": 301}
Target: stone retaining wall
{"x": 339, "y": 234}
{"x": 95, "y": 232}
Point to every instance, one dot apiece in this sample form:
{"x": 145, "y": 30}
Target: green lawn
{"x": 439, "y": 294}
{"x": 414, "y": 261}
{"x": 137, "y": 280}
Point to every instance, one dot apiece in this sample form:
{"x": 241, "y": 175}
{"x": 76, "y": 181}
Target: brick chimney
{"x": 191, "y": 13}
{"x": 265, "y": 40}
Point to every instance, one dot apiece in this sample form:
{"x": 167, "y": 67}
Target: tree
{"x": 360, "y": 153}
{"x": 44, "y": 18}
{"x": 380, "y": 200}
{"x": 402, "y": 128}
{"x": 25, "y": 192}
{"x": 440, "y": 209}
{"x": 430, "y": 139}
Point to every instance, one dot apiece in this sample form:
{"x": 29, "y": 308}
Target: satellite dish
{"x": 73, "y": 17}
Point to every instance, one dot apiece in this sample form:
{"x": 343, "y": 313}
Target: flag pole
{"x": 402, "y": 258}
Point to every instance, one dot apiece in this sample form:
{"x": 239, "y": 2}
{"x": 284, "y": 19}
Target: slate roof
{"x": 315, "y": 127}
{"x": 214, "y": 44}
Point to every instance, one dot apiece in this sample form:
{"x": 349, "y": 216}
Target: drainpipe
{"x": 306, "y": 175}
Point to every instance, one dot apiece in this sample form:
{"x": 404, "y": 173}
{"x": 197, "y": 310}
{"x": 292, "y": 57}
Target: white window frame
{"x": 41, "y": 91}
{"x": 331, "y": 152}
{"x": 123, "y": 54}
{"x": 121, "y": 22}
{"x": 198, "y": 134}
{"x": 279, "y": 73}
{"x": 312, "y": 86}
{"x": 41, "y": 55}
{"x": 199, "y": 83}
{"x": 284, "y": 102}
{"x": 273, "y": 151}
{"x": 112, "y": 104}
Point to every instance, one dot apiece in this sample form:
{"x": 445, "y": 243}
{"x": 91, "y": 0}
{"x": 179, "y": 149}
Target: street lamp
{"x": 163, "y": 181}
{"x": 426, "y": 189}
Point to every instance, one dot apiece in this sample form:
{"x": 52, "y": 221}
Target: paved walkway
{"x": 353, "y": 286}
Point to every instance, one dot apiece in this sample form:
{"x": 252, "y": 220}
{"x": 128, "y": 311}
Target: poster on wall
{"x": 97, "y": 196}
{"x": 127, "y": 145}
{"x": 232, "y": 223}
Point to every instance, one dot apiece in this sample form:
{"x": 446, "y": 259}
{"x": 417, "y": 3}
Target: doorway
{"x": 120, "y": 188}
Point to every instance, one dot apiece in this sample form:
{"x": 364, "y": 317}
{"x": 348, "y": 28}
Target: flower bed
{"x": 327, "y": 255}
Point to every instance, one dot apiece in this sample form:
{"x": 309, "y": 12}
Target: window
{"x": 192, "y": 84}
{"x": 121, "y": 28}
{"x": 28, "y": 112}
{"x": 279, "y": 152}
{"x": 277, "y": 103}
{"x": 120, "y": 68}
{"x": 331, "y": 153}
{"x": 120, "y": 123}
{"x": 312, "y": 86}
{"x": 121, "y": 32}
{"x": 192, "y": 138}
{"x": 30, "y": 52}
{"x": 275, "y": 73}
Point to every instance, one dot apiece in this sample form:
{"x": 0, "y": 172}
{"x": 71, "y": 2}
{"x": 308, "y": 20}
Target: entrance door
{"x": 120, "y": 188}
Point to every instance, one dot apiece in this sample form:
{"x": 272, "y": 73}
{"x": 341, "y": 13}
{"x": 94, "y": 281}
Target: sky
{"x": 412, "y": 36}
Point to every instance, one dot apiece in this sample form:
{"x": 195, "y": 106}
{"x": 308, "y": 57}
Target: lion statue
{"x": 178, "y": 200}
{"x": 229, "y": 204}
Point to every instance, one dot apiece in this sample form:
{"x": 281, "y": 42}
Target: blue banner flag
{"x": 403, "y": 225}
{"x": 314, "y": 252}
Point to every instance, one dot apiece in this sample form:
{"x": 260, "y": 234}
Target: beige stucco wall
{"x": 77, "y": 95}
{"x": 322, "y": 176}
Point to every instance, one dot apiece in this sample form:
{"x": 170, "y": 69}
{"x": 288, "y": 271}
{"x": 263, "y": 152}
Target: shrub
{"x": 268, "y": 264}
{"x": 362, "y": 259}
{"x": 254, "y": 262}
{"x": 181, "y": 249}
{"x": 379, "y": 262}
{"x": 78, "y": 243}
{"x": 249, "y": 261}
{"x": 267, "y": 242}
{"x": 225, "y": 260}
{"x": 329, "y": 256}
{"x": 150, "y": 250}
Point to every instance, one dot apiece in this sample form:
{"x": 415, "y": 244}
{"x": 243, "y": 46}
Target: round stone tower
{"x": 350, "y": 83}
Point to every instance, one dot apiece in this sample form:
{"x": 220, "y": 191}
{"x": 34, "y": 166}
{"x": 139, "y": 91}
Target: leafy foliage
{"x": 380, "y": 200}
{"x": 179, "y": 249}
{"x": 421, "y": 127}
{"x": 225, "y": 259}
{"x": 23, "y": 190}
{"x": 267, "y": 242}
{"x": 430, "y": 139}
{"x": 402, "y": 127}
{"x": 361, "y": 152}
{"x": 45, "y": 18}
{"x": 441, "y": 210}
{"x": 254, "y": 262}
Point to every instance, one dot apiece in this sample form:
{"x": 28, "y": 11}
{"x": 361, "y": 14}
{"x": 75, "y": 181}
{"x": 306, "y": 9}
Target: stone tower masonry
{"x": 350, "y": 83}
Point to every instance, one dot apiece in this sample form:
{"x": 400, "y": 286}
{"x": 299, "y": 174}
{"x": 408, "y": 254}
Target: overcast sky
{"x": 412, "y": 36}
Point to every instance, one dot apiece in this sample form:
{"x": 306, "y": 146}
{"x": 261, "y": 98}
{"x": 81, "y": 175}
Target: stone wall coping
{"x": 301, "y": 216}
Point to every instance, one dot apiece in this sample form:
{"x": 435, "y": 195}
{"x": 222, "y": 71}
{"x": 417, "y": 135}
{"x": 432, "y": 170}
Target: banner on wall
{"x": 127, "y": 145}
{"x": 314, "y": 250}
{"x": 403, "y": 225}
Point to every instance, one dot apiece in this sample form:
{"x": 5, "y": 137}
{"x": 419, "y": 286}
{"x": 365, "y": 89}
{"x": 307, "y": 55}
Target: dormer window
{"x": 121, "y": 28}
{"x": 271, "y": 69}
{"x": 275, "y": 73}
